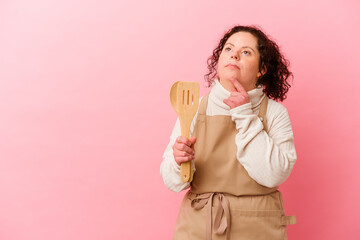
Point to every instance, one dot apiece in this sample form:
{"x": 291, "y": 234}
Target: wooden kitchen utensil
{"x": 184, "y": 98}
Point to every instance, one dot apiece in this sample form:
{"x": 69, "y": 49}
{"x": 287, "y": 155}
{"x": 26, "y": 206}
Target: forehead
{"x": 240, "y": 39}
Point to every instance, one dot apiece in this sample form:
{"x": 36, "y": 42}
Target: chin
{"x": 228, "y": 76}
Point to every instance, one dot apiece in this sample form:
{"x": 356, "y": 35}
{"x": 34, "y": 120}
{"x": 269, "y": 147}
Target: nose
{"x": 235, "y": 56}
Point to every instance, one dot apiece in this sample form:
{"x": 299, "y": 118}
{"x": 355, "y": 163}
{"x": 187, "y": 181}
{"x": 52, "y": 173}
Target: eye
{"x": 227, "y": 49}
{"x": 246, "y": 52}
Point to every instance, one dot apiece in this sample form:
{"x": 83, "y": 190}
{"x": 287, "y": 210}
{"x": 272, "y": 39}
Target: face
{"x": 239, "y": 59}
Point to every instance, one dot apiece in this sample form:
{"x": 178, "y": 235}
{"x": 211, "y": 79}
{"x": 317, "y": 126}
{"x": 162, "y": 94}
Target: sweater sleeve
{"x": 169, "y": 169}
{"x": 268, "y": 157}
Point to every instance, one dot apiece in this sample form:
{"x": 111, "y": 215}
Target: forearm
{"x": 268, "y": 158}
{"x": 169, "y": 169}
{"x": 170, "y": 172}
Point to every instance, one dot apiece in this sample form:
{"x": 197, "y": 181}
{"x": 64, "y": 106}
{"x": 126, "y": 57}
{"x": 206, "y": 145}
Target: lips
{"x": 232, "y": 66}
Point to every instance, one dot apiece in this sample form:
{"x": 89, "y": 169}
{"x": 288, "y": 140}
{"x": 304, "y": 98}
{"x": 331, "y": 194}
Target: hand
{"x": 238, "y": 96}
{"x": 183, "y": 149}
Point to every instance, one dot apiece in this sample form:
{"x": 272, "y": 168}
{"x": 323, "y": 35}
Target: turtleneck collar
{"x": 218, "y": 93}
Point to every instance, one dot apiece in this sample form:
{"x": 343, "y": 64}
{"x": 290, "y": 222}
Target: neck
{"x": 230, "y": 87}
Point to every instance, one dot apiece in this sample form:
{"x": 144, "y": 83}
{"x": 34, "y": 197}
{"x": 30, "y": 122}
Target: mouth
{"x": 233, "y": 66}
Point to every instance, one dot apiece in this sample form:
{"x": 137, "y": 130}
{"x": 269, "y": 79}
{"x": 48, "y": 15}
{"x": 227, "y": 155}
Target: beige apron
{"x": 221, "y": 187}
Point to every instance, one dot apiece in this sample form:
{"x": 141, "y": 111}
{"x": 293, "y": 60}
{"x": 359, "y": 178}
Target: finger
{"x": 232, "y": 88}
{"x": 239, "y": 100}
{"x": 235, "y": 94}
{"x": 178, "y": 148}
{"x": 239, "y": 88}
{"x": 229, "y": 103}
{"x": 237, "y": 97}
{"x": 226, "y": 101}
{"x": 180, "y": 160}
{"x": 193, "y": 140}
{"x": 183, "y": 140}
{"x": 180, "y": 153}
{"x": 233, "y": 99}
{"x": 183, "y": 148}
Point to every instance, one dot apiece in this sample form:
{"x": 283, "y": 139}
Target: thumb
{"x": 192, "y": 140}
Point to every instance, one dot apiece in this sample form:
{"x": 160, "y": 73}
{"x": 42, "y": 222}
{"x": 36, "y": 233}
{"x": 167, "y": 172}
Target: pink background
{"x": 85, "y": 114}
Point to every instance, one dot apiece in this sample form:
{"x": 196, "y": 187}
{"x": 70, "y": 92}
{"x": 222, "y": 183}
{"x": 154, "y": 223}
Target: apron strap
{"x": 288, "y": 220}
{"x": 203, "y": 104}
{"x": 262, "y": 112}
{"x": 224, "y": 207}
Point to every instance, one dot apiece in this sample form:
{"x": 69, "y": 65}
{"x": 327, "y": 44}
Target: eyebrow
{"x": 242, "y": 47}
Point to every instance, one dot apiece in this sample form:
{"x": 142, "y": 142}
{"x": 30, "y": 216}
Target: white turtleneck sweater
{"x": 268, "y": 157}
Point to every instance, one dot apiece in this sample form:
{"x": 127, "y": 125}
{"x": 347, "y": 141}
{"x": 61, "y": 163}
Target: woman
{"x": 242, "y": 145}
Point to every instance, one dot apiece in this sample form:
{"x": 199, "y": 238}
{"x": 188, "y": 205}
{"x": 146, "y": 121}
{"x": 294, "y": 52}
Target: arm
{"x": 267, "y": 157}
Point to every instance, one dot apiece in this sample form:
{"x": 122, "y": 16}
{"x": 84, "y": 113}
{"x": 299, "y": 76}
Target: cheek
{"x": 221, "y": 60}
{"x": 220, "y": 64}
{"x": 252, "y": 65}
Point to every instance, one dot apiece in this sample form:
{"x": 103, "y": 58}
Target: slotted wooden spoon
{"x": 184, "y": 98}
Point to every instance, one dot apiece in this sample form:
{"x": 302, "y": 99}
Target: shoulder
{"x": 275, "y": 108}
{"x": 200, "y": 100}
{"x": 203, "y": 98}
{"x": 277, "y": 114}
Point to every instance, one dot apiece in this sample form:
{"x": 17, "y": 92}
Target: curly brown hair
{"x": 275, "y": 79}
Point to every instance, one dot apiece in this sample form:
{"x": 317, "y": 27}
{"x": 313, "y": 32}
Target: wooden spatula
{"x": 184, "y": 98}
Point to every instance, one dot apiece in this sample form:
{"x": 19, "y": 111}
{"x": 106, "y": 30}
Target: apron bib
{"x": 224, "y": 202}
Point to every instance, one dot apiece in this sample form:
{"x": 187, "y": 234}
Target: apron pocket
{"x": 257, "y": 224}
